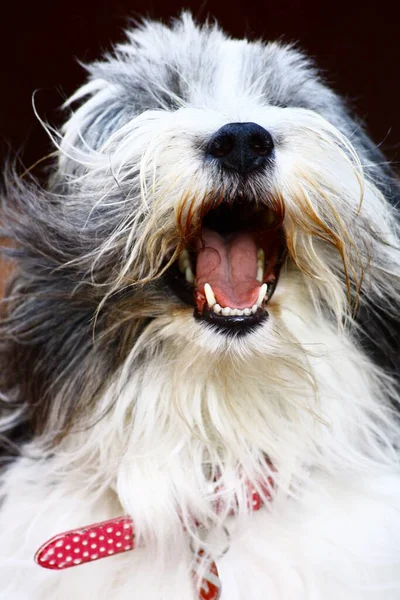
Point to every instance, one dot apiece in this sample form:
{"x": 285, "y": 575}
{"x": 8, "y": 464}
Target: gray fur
{"x": 53, "y": 340}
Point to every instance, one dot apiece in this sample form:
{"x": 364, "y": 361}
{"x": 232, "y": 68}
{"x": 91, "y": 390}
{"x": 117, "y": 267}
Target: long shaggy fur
{"x": 119, "y": 402}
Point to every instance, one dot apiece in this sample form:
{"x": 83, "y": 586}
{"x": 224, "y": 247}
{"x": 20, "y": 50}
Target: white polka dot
{"x": 127, "y": 537}
{"x": 59, "y": 544}
{"x": 128, "y": 548}
{"x": 52, "y": 562}
{"x": 50, "y": 552}
{"x": 77, "y": 561}
{"x": 43, "y": 558}
{"x": 110, "y": 552}
{"x": 76, "y": 538}
{"x": 109, "y": 530}
{"x": 92, "y": 534}
{"x": 93, "y": 546}
{"x": 94, "y": 556}
{"x": 69, "y": 559}
{"x": 127, "y": 526}
{"x": 118, "y": 544}
{"x": 101, "y": 537}
{"x": 102, "y": 549}
{"x": 60, "y": 555}
{"x": 77, "y": 550}
{"x": 68, "y": 547}
{"x": 110, "y": 541}
{"x": 86, "y": 554}
{"x": 85, "y": 543}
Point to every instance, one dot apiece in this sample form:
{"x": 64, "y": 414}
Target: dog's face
{"x": 227, "y": 185}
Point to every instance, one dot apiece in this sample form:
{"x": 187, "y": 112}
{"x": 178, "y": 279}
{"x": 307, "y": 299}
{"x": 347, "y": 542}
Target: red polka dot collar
{"x": 86, "y": 544}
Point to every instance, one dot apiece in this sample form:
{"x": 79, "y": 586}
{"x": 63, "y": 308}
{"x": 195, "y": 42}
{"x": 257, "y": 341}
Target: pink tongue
{"x": 229, "y": 265}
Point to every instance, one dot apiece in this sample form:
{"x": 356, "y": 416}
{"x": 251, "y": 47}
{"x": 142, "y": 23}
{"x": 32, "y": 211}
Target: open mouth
{"x": 230, "y": 269}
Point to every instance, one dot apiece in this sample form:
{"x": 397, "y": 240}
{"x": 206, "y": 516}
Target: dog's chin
{"x": 229, "y": 269}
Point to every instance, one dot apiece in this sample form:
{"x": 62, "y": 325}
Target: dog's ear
{"x": 377, "y": 167}
{"x": 379, "y": 325}
{"x": 100, "y": 113}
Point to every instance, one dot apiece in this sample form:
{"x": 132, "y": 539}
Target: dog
{"x": 199, "y": 340}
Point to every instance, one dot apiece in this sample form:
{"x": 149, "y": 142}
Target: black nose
{"x": 241, "y": 147}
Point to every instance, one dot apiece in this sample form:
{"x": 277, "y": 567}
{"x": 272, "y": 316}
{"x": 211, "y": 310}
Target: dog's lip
{"x": 232, "y": 325}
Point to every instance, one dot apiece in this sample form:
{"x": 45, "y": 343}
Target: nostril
{"x": 261, "y": 144}
{"x": 221, "y": 146}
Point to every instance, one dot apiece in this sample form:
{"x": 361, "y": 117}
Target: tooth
{"x": 235, "y": 312}
{"x": 260, "y": 264}
{"x": 189, "y": 275}
{"x": 209, "y": 295}
{"x": 254, "y": 309}
{"x": 217, "y": 308}
{"x": 239, "y": 312}
{"x": 184, "y": 261}
{"x": 261, "y": 294}
{"x": 226, "y": 311}
{"x": 247, "y": 311}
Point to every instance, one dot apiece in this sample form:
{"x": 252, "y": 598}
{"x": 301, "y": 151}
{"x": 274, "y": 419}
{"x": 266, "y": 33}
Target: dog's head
{"x": 224, "y": 184}
{"x": 215, "y": 221}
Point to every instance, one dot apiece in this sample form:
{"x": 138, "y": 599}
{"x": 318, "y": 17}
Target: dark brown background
{"x": 354, "y": 42}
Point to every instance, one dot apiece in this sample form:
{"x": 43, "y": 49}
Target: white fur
{"x": 188, "y": 402}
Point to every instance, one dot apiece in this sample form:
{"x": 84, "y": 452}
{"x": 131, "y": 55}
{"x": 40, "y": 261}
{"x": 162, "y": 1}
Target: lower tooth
{"x": 209, "y": 294}
{"x": 234, "y": 312}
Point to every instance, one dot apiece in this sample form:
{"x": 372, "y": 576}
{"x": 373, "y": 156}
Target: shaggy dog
{"x": 204, "y": 302}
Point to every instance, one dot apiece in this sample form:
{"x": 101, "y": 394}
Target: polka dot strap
{"x": 86, "y": 544}
{"x": 100, "y": 540}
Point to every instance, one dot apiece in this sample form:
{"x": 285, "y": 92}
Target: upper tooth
{"x": 184, "y": 261}
{"x": 261, "y": 294}
{"x": 209, "y": 294}
{"x": 260, "y": 264}
{"x": 189, "y": 275}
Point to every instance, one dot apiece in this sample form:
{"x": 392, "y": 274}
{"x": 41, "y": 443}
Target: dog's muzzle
{"x": 230, "y": 265}
{"x": 230, "y": 268}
